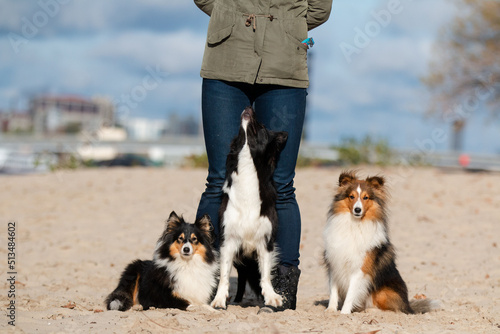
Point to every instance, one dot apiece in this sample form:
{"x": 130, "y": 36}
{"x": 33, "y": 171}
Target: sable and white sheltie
{"x": 248, "y": 217}
{"x": 183, "y": 271}
{"x": 359, "y": 257}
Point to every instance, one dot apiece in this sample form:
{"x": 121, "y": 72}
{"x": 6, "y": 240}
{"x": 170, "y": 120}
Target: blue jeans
{"x": 278, "y": 108}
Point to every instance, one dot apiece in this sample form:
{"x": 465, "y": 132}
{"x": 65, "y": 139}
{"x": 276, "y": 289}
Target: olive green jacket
{"x": 260, "y": 41}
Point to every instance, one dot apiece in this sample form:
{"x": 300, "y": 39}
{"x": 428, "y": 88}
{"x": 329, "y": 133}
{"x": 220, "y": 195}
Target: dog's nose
{"x": 357, "y": 210}
{"x": 186, "y": 250}
{"x": 247, "y": 113}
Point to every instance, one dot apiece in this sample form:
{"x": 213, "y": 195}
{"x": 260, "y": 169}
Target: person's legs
{"x": 279, "y": 109}
{"x": 283, "y": 109}
{"x": 222, "y": 104}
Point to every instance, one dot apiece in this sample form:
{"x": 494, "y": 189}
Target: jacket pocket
{"x": 220, "y": 26}
{"x": 296, "y": 32}
{"x": 219, "y": 36}
{"x": 289, "y": 54}
{"x": 297, "y": 43}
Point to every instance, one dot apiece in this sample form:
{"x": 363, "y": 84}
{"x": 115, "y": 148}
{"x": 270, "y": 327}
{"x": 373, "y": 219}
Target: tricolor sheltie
{"x": 248, "y": 217}
{"x": 359, "y": 256}
{"x": 182, "y": 273}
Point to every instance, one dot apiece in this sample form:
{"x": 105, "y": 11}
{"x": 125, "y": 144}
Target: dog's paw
{"x": 193, "y": 308}
{"x": 203, "y": 308}
{"x": 331, "y": 309}
{"x": 137, "y": 307}
{"x": 274, "y": 300}
{"x": 115, "y": 305}
{"x": 345, "y": 311}
{"x": 219, "y": 301}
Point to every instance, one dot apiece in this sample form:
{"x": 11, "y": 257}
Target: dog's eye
{"x": 365, "y": 198}
{"x": 181, "y": 239}
{"x": 351, "y": 197}
{"x": 194, "y": 239}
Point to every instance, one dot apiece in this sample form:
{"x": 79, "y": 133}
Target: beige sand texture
{"x": 76, "y": 231}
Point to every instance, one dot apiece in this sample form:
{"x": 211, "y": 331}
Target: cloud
{"x": 94, "y": 16}
{"x": 423, "y": 18}
{"x": 388, "y": 68}
{"x": 176, "y": 52}
{"x": 398, "y": 54}
{"x": 88, "y": 49}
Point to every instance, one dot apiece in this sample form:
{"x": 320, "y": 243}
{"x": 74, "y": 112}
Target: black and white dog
{"x": 248, "y": 217}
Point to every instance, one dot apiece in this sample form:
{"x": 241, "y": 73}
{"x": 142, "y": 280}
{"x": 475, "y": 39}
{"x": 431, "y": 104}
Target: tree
{"x": 465, "y": 73}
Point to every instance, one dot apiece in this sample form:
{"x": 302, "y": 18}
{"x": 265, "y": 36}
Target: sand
{"x": 76, "y": 230}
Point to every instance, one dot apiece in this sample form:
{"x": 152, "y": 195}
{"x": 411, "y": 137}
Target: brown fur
{"x": 136, "y": 291}
{"x": 375, "y": 260}
{"x": 373, "y": 195}
{"x": 385, "y": 297}
{"x": 197, "y": 247}
{"x": 206, "y": 227}
{"x": 173, "y": 223}
{"x": 175, "y": 248}
{"x": 342, "y": 206}
{"x": 388, "y": 290}
{"x": 369, "y": 264}
{"x": 388, "y": 300}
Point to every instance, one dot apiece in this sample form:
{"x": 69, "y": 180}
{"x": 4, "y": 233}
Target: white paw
{"x": 345, "y": 310}
{"x": 332, "y": 305}
{"x": 219, "y": 300}
{"x": 331, "y": 309}
{"x": 273, "y": 300}
{"x": 208, "y": 309}
{"x": 137, "y": 307}
{"x": 192, "y": 308}
{"x": 204, "y": 308}
{"x": 115, "y": 305}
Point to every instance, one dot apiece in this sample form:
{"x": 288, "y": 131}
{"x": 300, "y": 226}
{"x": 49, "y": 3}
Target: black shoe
{"x": 285, "y": 281}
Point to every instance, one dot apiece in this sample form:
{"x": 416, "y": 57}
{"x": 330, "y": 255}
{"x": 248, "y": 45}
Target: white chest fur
{"x": 347, "y": 240}
{"x": 194, "y": 280}
{"x": 242, "y": 220}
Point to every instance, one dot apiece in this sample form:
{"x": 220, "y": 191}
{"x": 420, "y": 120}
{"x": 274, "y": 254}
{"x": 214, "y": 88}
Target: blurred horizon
{"x": 365, "y": 68}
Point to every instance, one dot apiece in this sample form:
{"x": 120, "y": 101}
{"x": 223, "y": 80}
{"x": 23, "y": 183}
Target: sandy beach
{"x": 76, "y": 230}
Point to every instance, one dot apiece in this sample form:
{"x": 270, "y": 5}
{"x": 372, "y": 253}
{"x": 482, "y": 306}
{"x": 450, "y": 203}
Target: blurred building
{"x": 15, "y": 122}
{"x": 182, "y": 126}
{"x": 70, "y": 114}
{"x": 144, "y": 129}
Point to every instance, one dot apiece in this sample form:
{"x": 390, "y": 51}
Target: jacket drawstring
{"x": 251, "y": 18}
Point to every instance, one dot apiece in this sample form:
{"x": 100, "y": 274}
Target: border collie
{"x": 247, "y": 214}
{"x": 182, "y": 273}
{"x": 359, "y": 257}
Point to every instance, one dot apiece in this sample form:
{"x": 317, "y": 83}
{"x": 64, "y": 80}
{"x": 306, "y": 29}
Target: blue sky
{"x": 109, "y": 47}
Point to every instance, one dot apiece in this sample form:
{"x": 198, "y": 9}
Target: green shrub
{"x": 366, "y": 151}
{"x": 196, "y": 161}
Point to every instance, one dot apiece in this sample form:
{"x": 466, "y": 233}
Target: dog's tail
{"x": 424, "y": 305}
{"x": 125, "y": 294}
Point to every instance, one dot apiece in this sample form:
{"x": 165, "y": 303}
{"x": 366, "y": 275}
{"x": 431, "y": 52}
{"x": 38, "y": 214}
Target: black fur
{"x": 388, "y": 276}
{"x": 265, "y": 147}
{"x": 154, "y": 287}
{"x": 154, "y": 283}
{"x": 248, "y": 270}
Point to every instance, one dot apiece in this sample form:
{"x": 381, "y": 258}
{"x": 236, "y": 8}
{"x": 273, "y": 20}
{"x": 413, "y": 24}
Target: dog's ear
{"x": 376, "y": 182}
{"x": 173, "y": 222}
{"x": 280, "y": 138}
{"x": 346, "y": 177}
{"x": 205, "y": 225}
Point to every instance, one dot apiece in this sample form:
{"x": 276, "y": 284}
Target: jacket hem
{"x": 296, "y": 83}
